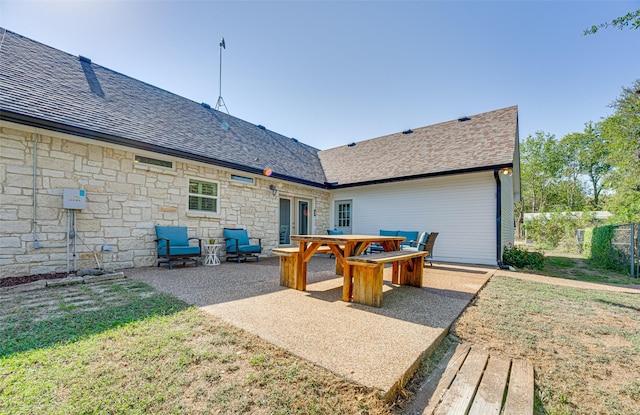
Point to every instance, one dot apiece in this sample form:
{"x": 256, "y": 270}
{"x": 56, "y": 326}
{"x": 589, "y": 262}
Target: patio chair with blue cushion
{"x": 239, "y": 246}
{"x": 173, "y": 245}
{"x": 424, "y": 243}
{"x": 334, "y": 232}
{"x": 374, "y": 247}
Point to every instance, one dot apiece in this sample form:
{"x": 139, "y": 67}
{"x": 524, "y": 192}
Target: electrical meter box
{"x": 74, "y": 199}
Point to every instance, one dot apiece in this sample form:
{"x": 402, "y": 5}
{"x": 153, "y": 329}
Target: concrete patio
{"x": 376, "y": 347}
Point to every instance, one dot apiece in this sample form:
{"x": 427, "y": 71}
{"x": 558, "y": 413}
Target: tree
{"x": 631, "y": 19}
{"x": 622, "y": 130}
{"x": 587, "y": 154}
{"x": 539, "y": 170}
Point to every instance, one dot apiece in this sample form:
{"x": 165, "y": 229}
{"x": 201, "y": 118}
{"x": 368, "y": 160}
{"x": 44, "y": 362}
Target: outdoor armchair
{"x": 424, "y": 243}
{"x": 173, "y": 245}
{"x": 238, "y": 245}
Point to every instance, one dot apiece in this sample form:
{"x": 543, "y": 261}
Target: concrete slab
{"x": 377, "y": 347}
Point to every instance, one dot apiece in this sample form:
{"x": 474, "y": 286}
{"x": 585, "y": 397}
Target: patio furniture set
{"x": 362, "y": 274}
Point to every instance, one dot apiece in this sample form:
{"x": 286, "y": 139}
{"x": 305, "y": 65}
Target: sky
{"x": 333, "y": 72}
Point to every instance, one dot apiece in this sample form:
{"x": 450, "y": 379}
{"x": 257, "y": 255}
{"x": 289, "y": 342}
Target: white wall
{"x": 461, "y": 208}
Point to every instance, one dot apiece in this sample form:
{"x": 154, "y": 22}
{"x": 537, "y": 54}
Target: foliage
{"x": 587, "y": 154}
{"x": 599, "y": 166}
{"x": 623, "y": 133}
{"x": 522, "y": 258}
{"x": 538, "y": 169}
{"x": 631, "y": 19}
{"x": 557, "y": 229}
{"x": 603, "y": 254}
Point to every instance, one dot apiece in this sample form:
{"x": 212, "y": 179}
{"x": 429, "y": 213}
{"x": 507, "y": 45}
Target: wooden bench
{"x": 368, "y": 272}
{"x": 289, "y": 263}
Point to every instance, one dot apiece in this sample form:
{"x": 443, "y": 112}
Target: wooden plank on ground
{"x": 520, "y": 395}
{"x": 488, "y": 400}
{"x": 457, "y": 399}
{"x": 447, "y": 377}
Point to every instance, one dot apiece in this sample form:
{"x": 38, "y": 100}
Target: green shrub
{"x": 522, "y": 258}
{"x": 557, "y": 230}
{"x": 603, "y": 254}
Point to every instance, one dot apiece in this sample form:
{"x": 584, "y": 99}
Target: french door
{"x": 295, "y": 218}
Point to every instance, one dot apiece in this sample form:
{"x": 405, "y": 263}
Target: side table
{"x": 211, "y": 254}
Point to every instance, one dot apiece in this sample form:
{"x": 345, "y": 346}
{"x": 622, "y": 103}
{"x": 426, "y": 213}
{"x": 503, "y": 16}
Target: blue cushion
{"x": 176, "y": 234}
{"x": 180, "y": 250}
{"x": 423, "y": 238}
{"x": 409, "y": 235}
{"x": 248, "y": 249}
{"x": 335, "y": 232}
{"x": 388, "y": 233}
{"x": 240, "y": 234}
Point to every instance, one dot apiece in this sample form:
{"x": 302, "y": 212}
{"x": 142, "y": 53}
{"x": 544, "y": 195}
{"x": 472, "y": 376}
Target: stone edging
{"x": 36, "y": 285}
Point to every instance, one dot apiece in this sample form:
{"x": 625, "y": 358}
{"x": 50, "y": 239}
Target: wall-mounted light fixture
{"x": 273, "y": 189}
{"x": 507, "y": 171}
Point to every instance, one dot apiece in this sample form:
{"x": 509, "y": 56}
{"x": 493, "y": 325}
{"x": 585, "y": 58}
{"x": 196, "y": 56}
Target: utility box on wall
{"x": 74, "y": 199}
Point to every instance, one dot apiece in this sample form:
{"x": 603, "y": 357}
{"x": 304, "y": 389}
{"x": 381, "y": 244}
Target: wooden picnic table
{"x": 342, "y": 246}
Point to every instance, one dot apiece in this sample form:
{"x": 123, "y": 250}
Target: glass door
{"x": 342, "y": 216}
{"x": 302, "y": 222}
{"x": 285, "y": 221}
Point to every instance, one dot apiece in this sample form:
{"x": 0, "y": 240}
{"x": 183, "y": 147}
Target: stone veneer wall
{"x": 124, "y": 202}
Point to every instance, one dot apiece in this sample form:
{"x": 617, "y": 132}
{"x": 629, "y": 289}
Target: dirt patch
{"x": 11, "y": 281}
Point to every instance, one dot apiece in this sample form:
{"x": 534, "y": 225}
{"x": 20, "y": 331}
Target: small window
{"x": 203, "y": 196}
{"x": 154, "y": 162}
{"x": 242, "y": 179}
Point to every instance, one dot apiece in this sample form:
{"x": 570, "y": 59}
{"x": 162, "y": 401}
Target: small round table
{"x": 211, "y": 254}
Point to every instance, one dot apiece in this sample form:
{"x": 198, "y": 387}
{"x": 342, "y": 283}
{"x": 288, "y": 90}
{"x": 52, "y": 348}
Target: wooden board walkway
{"x": 477, "y": 383}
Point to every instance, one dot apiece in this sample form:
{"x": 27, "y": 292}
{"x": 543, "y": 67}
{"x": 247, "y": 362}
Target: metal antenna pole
{"x": 220, "y": 102}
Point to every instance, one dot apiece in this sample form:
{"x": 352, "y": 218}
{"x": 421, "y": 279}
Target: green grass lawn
{"x": 119, "y": 347}
{"x": 577, "y": 268}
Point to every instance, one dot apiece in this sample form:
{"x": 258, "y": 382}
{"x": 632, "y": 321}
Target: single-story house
{"x": 139, "y": 156}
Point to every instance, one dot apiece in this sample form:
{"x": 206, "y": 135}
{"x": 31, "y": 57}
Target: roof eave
{"x": 421, "y": 176}
{"x": 112, "y": 139}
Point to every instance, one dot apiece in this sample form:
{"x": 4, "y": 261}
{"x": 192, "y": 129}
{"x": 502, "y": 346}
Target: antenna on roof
{"x": 220, "y": 102}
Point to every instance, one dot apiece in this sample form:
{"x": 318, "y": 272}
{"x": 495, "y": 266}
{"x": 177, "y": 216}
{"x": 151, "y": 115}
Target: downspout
{"x": 496, "y": 175}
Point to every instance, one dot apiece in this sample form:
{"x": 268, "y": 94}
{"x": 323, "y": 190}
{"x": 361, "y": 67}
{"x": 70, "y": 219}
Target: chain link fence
{"x": 625, "y": 246}
{"x": 625, "y": 241}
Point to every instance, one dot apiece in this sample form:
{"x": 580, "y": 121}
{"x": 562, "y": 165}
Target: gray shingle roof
{"x": 483, "y": 141}
{"x": 40, "y": 84}
{"x": 47, "y": 84}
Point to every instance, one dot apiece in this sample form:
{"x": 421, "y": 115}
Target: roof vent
{"x": 262, "y": 127}
{"x": 351, "y": 145}
{"x": 83, "y": 59}
{"x": 295, "y": 140}
{"x": 407, "y": 131}
{"x": 463, "y": 119}
{"x": 205, "y": 105}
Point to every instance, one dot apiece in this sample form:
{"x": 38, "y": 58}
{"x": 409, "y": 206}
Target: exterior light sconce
{"x": 273, "y": 189}
{"x": 507, "y": 171}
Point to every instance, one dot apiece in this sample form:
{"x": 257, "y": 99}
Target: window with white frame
{"x": 203, "y": 196}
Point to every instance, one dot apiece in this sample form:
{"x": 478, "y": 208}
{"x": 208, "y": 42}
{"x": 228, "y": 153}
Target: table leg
{"x": 347, "y": 286}
{"x": 301, "y": 269}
